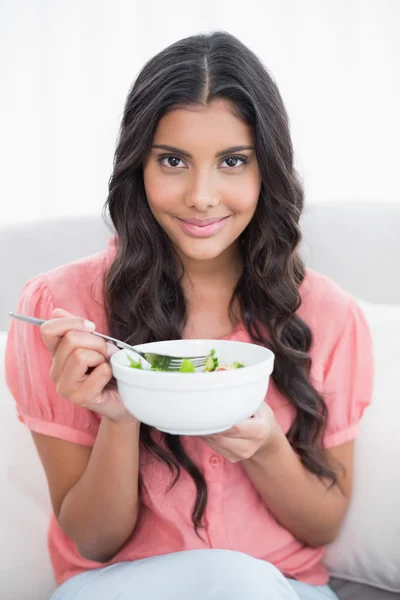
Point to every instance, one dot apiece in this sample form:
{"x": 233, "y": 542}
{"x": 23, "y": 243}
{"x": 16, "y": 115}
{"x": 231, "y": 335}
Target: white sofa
{"x": 356, "y": 244}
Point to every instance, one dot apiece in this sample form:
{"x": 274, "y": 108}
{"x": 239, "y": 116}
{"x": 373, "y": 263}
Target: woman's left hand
{"x": 244, "y": 440}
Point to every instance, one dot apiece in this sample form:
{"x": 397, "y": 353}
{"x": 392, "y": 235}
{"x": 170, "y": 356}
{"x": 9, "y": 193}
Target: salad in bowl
{"x": 228, "y": 390}
{"x": 212, "y": 364}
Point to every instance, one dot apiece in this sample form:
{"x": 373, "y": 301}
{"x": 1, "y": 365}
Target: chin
{"x": 202, "y": 256}
{"x": 201, "y": 252}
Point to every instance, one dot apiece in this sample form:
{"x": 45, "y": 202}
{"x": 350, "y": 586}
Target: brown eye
{"x": 233, "y": 162}
{"x": 171, "y": 161}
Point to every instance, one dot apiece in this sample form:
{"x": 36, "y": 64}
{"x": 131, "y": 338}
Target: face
{"x": 202, "y": 180}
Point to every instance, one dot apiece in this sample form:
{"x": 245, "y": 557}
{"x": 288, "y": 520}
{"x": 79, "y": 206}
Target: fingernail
{"x": 111, "y": 349}
{"x": 89, "y": 325}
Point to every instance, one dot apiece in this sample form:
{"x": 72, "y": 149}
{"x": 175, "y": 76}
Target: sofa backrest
{"x": 355, "y": 243}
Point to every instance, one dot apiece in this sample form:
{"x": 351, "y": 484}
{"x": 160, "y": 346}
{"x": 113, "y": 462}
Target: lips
{"x": 202, "y": 222}
{"x": 202, "y": 228}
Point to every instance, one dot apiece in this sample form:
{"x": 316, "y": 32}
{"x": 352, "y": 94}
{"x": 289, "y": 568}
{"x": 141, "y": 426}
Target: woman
{"x": 205, "y": 204}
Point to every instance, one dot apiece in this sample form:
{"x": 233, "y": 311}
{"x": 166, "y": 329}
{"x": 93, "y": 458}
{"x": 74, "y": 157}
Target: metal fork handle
{"x": 118, "y": 343}
{"x": 174, "y": 359}
{"x": 35, "y": 321}
{"x": 32, "y": 320}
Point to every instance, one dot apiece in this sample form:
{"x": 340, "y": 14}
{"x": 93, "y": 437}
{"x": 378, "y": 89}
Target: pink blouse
{"x": 236, "y": 518}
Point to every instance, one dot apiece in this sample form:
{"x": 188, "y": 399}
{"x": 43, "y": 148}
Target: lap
{"x": 194, "y": 574}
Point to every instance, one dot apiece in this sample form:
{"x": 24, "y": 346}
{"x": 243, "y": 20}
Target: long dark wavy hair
{"x": 144, "y": 299}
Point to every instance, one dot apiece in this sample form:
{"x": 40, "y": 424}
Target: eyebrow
{"x": 230, "y": 150}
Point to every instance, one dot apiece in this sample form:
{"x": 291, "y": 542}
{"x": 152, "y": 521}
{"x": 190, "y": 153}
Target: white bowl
{"x": 195, "y": 403}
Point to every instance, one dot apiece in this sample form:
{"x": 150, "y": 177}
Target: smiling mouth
{"x": 202, "y": 227}
{"x": 202, "y": 222}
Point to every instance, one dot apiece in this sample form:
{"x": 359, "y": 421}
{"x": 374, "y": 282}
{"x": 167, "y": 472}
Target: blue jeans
{"x": 194, "y": 575}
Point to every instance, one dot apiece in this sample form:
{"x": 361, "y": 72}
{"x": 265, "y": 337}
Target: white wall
{"x": 67, "y": 66}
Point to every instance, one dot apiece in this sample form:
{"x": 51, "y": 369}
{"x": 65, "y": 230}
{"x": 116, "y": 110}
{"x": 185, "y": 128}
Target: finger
{"x": 223, "y": 451}
{"x": 53, "y": 330}
{"x": 91, "y": 391}
{"x": 222, "y": 448}
{"x": 251, "y": 429}
{"x": 258, "y": 420}
{"x": 60, "y": 312}
{"x": 71, "y": 342}
{"x": 74, "y": 375}
{"x": 210, "y": 442}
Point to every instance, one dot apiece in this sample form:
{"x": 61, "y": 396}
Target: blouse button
{"x": 215, "y": 461}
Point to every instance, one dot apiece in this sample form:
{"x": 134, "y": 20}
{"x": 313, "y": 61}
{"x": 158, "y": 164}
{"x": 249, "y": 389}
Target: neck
{"x": 223, "y": 271}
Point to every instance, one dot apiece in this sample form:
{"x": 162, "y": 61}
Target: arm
{"x": 300, "y": 501}
{"x": 94, "y": 492}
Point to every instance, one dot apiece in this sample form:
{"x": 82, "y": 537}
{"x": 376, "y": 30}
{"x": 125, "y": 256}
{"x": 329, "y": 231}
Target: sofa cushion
{"x": 347, "y": 590}
{"x": 25, "y": 570}
{"x": 368, "y": 547}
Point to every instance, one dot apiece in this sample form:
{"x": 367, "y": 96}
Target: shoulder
{"x": 77, "y": 276}
{"x": 326, "y": 307}
{"x": 318, "y": 291}
{"x": 76, "y": 286}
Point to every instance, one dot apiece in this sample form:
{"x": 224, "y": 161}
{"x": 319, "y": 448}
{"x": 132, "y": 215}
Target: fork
{"x": 155, "y": 360}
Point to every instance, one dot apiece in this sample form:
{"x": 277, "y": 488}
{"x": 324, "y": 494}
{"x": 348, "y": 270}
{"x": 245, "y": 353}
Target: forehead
{"x": 213, "y": 126}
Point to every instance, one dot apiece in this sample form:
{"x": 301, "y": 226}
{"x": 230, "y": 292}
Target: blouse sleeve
{"x": 348, "y": 378}
{"x": 28, "y": 363}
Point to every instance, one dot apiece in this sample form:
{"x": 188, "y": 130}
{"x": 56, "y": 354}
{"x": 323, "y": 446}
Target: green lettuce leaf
{"x": 187, "y": 366}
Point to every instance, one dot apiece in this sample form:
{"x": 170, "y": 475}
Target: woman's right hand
{"x": 75, "y": 350}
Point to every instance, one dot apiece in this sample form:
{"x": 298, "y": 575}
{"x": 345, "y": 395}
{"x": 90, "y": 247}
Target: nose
{"x": 202, "y": 192}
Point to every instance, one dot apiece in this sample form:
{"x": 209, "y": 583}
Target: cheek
{"x": 244, "y": 196}
{"x": 160, "y": 195}
{"x": 243, "y": 191}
